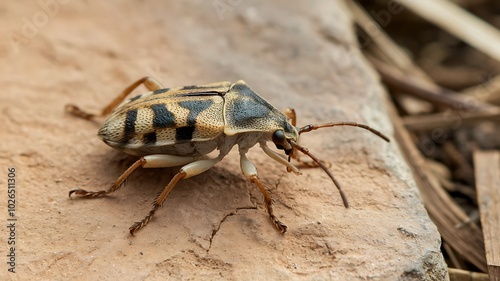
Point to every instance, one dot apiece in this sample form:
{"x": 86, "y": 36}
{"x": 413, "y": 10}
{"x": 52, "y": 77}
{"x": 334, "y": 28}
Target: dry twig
{"x": 458, "y": 22}
{"x": 449, "y": 120}
{"x": 425, "y": 90}
{"x": 487, "y": 165}
{"x": 464, "y": 275}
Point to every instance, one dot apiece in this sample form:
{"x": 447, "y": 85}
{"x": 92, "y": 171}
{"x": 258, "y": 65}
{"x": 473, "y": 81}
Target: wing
{"x": 163, "y": 119}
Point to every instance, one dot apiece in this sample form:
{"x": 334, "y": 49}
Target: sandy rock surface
{"x": 212, "y": 226}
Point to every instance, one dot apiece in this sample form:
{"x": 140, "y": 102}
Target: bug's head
{"x": 284, "y": 137}
{"x": 287, "y": 140}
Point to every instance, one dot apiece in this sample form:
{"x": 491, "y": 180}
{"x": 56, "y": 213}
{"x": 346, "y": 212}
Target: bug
{"x": 180, "y": 126}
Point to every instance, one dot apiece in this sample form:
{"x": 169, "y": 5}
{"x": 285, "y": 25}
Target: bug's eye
{"x": 278, "y": 137}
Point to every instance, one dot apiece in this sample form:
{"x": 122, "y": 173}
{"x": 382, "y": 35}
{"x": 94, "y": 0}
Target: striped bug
{"x": 180, "y": 126}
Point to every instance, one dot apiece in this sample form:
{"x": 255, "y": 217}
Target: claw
{"x": 85, "y": 193}
{"x": 278, "y": 224}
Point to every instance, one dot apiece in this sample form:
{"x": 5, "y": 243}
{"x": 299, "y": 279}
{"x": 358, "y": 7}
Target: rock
{"x": 212, "y": 226}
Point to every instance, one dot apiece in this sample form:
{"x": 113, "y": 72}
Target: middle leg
{"x": 189, "y": 170}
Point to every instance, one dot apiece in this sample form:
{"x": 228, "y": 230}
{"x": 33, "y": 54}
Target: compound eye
{"x": 279, "y": 137}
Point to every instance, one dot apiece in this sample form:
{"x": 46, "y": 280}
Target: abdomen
{"x": 174, "y": 125}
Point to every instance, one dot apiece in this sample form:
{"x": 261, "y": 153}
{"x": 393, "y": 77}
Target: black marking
{"x": 244, "y": 90}
{"x": 150, "y": 138}
{"x": 135, "y": 98}
{"x": 288, "y": 127}
{"x": 195, "y": 107}
{"x": 130, "y": 124}
{"x": 184, "y": 133}
{"x": 245, "y": 109}
{"x": 250, "y": 109}
{"x": 209, "y": 88}
{"x": 201, "y": 94}
{"x": 161, "y": 91}
{"x": 163, "y": 118}
{"x": 192, "y": 87}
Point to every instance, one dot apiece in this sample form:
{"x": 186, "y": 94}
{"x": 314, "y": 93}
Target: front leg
{"x": 250, "y": 172}
{"x": 290, "y": 113}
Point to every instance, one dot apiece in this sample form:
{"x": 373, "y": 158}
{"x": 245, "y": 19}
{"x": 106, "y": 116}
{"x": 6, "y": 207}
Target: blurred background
{"x": 440, "y": 62}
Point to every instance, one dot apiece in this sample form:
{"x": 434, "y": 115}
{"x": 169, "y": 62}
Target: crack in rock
{"x": 214, "y": 232}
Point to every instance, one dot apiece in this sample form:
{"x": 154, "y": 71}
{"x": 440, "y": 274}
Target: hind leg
{"x": 150, "y": 161}
{"x": 187, "y": 171}
{"x": 150, "y": 83}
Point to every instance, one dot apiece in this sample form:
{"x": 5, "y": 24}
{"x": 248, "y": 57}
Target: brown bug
{"x": 180, "y": 126}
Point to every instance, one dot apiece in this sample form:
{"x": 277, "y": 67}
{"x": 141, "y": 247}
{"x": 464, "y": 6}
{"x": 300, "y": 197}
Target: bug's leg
{"x": 189, "y": 170}
{"x": 290, "y": 113}
{"x": 150, "y": 83}
{"x": 280, "y": 159}
{"x": 150, "y": 161}
{"x": 250, "y": 172}
{"x": 113, "y": 188}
